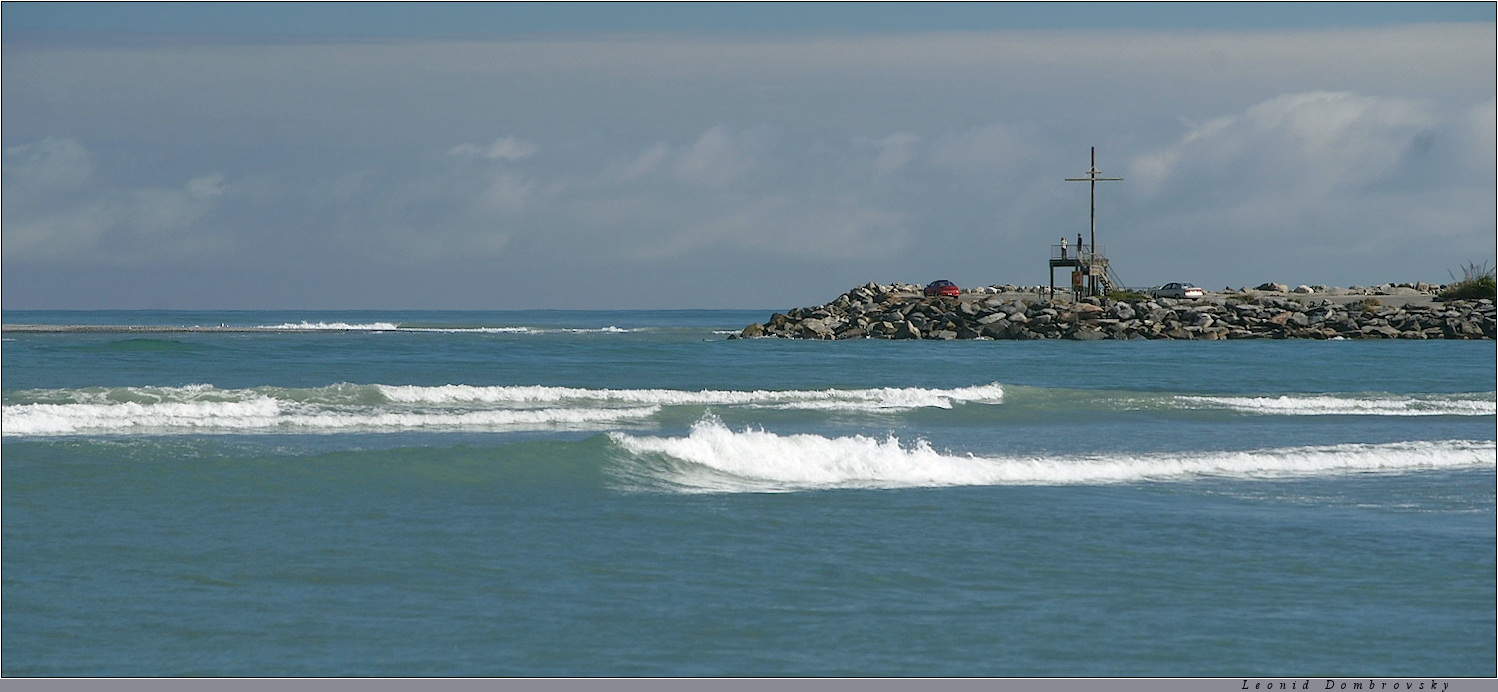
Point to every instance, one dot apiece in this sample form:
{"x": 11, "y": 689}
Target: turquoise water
{"x": 630, "y": 493}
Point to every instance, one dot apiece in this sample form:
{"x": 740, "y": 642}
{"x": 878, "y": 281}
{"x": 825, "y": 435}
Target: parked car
{"x": 1176, "y": 289}
{"x": 942, "y": 288}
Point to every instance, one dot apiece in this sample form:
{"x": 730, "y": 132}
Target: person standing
{"x": 1063, "y": 246}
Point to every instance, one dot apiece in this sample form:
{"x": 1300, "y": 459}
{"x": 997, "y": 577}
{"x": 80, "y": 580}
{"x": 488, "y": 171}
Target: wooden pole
{"x": 1092, "y": 177}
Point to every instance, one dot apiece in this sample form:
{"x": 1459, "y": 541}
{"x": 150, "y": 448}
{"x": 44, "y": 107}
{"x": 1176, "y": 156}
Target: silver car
{"x": 1176, "y": 289}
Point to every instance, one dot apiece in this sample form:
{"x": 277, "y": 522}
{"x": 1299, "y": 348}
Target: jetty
{"x": 899, "y": 311}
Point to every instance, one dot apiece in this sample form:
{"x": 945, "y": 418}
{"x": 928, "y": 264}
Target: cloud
{"x": 50, "y": 166}
{"x": 507, "y": 194}
{"x": 1307, "y": 144}
{"x": 895, "y": 150}
{"x": 1312, "y": 184}
{"x": 720, "y": 157}
{"x": 56, "y": 207}
{"x": 503, "y": 149}
{"x": 647, "y": 162}
{"x": 788, "y": 165}
{"x": 204, "y": 186}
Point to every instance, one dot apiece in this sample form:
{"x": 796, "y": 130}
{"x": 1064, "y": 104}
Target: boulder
{"x": 1278, "y": 288}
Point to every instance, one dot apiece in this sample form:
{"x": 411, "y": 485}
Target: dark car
{"x": 942, "y": 288}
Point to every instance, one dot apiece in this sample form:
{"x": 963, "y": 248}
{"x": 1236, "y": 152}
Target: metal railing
{"x": 1086, "y": 256}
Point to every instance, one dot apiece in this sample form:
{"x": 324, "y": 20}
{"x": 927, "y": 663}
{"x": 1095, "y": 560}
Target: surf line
{"x": 1342, "y": 685}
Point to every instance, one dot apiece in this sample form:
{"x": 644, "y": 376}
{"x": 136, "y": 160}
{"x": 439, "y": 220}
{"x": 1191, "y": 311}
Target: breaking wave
{"x": 713, "y": 458}
{"x": 305, "y": 326}
{"x": 820, "y": 399}
{"x": 354, "y": 407}
{"x": 1352, "y": 404}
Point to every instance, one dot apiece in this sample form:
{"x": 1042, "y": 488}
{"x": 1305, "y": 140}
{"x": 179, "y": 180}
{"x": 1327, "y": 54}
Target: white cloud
{"x": 720, "y": 157}
{"x": 56, "y": 207}
{"x": 1319, "y": 184}
{"x": 647, "y": 162}
{"x": 895, "y": 151}
{"x": 503, "y": 149}
{"x": 507, "y": 194}
{"x": 915, "y": 155}
{"x": 211, "y": 185}
{"x": 1306, "y": 144}
{"x": 50, "y": 166}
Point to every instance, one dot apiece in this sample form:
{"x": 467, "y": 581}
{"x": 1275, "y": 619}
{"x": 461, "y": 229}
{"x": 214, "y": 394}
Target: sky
{"x": 761, "y": 156}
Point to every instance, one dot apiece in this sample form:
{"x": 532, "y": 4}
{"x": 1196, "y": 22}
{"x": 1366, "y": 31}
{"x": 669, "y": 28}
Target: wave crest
{"x": 1352, "y": 405}
{"x": 713, "y": 458}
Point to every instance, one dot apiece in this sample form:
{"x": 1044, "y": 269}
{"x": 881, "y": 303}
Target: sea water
{"x": 632, "y": 493}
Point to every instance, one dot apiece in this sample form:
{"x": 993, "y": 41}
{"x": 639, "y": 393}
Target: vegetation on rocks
{"x": 1478, "y": 281}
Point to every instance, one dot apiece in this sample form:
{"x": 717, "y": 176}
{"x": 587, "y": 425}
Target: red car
{"x": 942, "y": 288}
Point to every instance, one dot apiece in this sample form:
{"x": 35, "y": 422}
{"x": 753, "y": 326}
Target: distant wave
{"x": 266, "y": 414}
{"x": 205, "y": 409}
{"x": 1065, "y": 400}
{"x": 1351, "y": 404}
{"x": 713, "y": 458}
{"x": 333, "y": 326}
{"x": 823, "y": 399}
{"x": 394, "y": 327}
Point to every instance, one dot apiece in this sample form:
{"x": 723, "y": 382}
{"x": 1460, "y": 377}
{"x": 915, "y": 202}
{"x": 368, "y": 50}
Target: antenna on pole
{"x": 1095, "y": 260}
{"x": 1093, "y": 175}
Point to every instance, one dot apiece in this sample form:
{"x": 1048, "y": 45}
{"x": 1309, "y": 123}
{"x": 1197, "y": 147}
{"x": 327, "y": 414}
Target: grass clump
{"x": 1126, "y": 296}
{"x": 1478, "y": 281}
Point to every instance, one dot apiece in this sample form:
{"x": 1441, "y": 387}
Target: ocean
{"x": 631, "y": 493}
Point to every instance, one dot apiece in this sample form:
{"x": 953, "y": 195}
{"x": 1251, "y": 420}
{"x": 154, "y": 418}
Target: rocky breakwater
{"x": 895, "y": 312}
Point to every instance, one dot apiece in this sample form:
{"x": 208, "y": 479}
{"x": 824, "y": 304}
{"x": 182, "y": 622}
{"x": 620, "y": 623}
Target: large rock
{"x": 1278, "y": 288}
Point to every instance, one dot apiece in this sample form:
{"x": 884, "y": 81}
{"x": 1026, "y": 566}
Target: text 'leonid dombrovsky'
{"x": 1348, "y": 685}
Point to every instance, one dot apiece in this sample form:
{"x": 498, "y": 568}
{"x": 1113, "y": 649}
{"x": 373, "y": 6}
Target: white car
{"x": 1177, "y": 290}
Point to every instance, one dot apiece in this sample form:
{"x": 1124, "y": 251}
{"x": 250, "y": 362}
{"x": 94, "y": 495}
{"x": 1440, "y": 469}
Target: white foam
{"x": 1353, "y": 405}
{"x": 823, "y": 399}
{"x": 713, "y": 458}
{"x": 334, "y": 326}
{"x": 206, "y": 410}
{"x": 520, "y": 330}
{"x": 305, "y": 326}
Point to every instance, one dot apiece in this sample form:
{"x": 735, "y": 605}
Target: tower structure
{"x": 1090, "y": 262}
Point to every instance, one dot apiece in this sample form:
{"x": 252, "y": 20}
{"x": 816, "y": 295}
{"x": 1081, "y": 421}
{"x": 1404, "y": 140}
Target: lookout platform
{"x": 1090, "y": 273}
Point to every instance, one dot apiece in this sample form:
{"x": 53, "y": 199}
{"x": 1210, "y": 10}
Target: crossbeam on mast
{"x": 1092, "y": 176}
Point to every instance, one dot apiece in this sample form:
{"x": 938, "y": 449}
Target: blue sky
{"x": 475, "y": 156}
